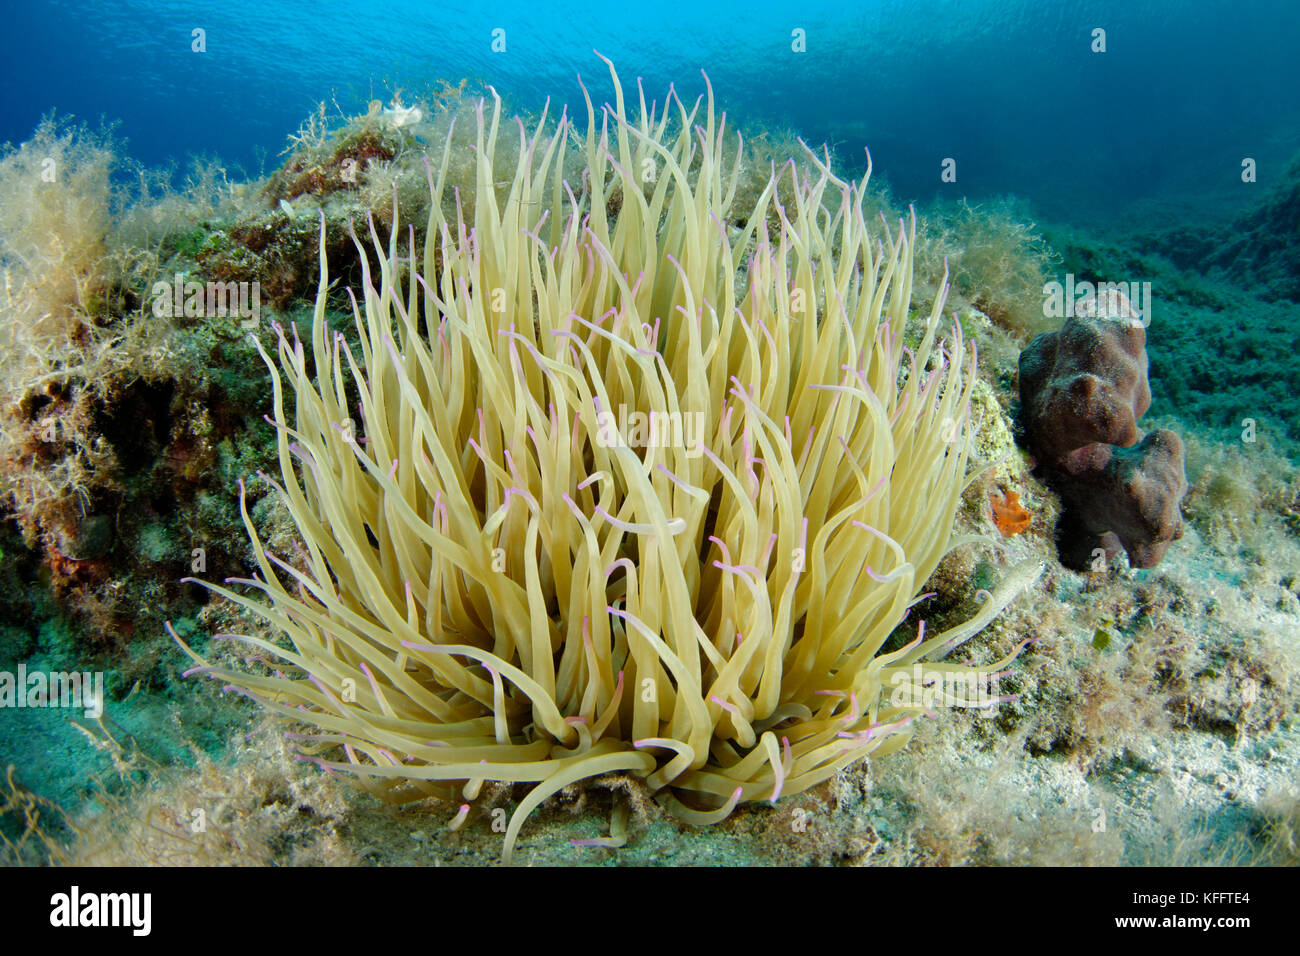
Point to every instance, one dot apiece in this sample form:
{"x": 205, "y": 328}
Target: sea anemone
{"x": 501, "y": 584}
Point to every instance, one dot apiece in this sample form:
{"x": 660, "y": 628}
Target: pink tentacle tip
{"x": 725, "y": 704}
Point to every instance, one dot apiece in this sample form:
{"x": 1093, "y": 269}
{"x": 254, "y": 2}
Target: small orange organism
{"x": 1010, "y": 518}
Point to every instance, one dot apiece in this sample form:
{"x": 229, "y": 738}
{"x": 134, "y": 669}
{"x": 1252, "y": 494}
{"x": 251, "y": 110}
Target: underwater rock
{"x": 89, "y": 540}
{"x": 1082, "y": 391}
{"x": 319, "y": 172}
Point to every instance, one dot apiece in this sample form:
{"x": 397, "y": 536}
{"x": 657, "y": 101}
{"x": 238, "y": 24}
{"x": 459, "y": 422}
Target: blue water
{"x": 1010, "y": 90}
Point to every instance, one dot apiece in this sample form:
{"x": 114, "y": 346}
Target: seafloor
{"x": 1156, "y": 717}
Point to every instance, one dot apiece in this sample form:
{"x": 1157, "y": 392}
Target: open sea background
{"x": 1011, "y": 90}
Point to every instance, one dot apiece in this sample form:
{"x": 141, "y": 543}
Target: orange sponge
{"x": 1008, "y": 515}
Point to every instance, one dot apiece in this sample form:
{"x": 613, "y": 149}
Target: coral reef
{"x": 1082, "y": 391}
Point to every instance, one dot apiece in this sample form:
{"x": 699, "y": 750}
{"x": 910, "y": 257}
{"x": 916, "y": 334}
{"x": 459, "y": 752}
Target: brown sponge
{"x": 1085, "y": 384}
{"x": 1082, "y": 391}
